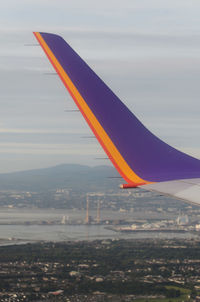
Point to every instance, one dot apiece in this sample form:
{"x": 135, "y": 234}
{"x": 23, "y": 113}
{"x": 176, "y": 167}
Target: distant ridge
{"x": 72, "y": 176}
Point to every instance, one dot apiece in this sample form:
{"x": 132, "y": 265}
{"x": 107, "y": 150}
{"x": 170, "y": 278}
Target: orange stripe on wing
{"x": 109, "y": 147}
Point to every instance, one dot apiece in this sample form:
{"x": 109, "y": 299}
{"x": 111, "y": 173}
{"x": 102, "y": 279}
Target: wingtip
{"x": 35, "y": 33}
{"x": 45, "y": 33}
{"x": 131, "y": 185}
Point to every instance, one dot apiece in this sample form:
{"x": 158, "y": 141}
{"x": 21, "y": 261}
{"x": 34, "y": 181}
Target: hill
{"x": 76, "y": 177}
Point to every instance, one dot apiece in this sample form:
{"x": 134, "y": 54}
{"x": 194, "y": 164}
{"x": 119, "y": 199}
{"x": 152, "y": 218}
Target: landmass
{"x": 105, "y": 270}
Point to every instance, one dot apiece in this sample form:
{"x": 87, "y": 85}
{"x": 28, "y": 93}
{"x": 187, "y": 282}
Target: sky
{"x": 147, "y": 51}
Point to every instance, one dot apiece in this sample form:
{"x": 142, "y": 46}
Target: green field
{"x": 185, "y": 292}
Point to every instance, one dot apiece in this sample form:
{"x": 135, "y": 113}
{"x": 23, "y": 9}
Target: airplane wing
{"x": 140, "y": 157}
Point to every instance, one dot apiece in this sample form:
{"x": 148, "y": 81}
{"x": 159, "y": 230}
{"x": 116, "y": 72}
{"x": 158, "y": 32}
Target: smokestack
{"x": 87, "y": 210}
{"x": 98, "y": 212}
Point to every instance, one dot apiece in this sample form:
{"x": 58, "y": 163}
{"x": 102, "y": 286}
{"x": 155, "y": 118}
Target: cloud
{"x": 50, "y": 149}
{"x": 41, "y": 131}
{"x": 147, "y": 15}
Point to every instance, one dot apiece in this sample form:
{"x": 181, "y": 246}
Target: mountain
{"x": 72, "y": 176}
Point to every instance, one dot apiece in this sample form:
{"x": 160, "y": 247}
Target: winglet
{"x": 138, "y": 155}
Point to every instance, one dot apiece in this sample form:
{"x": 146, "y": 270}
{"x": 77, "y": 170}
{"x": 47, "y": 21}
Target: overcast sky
{"x": 147, "y": 51}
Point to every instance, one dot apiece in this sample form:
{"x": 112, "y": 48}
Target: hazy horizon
{"x": 59, "y": 165}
